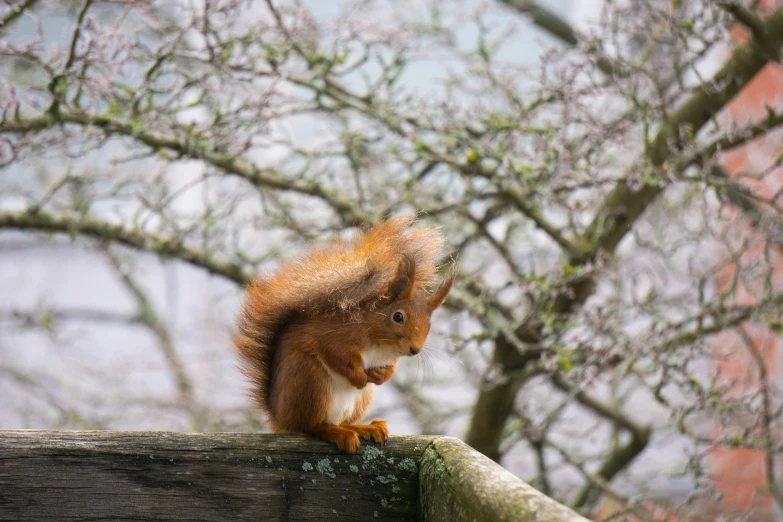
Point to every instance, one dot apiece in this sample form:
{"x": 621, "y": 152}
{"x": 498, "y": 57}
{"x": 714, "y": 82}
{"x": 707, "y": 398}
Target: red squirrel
{"x": 315, "y": 336}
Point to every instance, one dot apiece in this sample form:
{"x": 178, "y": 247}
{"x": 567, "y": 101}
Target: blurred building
{"x": 740, "y": 475}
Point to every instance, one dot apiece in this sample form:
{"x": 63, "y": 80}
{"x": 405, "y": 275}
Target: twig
{"x": 771, "y": 456}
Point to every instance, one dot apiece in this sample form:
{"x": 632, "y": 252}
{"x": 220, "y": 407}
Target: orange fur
{"x": 315, "y": 336}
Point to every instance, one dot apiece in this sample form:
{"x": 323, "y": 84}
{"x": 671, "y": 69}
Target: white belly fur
{"x": 344, "y": 395}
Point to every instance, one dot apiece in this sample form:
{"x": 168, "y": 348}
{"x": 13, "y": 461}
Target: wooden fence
{"x": 110, "y": 475}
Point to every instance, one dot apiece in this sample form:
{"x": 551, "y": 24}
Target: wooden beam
{"x": 96, "y": 475}
{"x": 116, "y": 475}
{"x": 457, "y": 484}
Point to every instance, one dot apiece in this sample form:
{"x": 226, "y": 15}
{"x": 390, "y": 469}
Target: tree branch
{"x": 771, "y": 444}
{"x": 138, "y": 239}
{"x": 351, "y": 214}
{"x": 603, "y": 410}
{"x": 518, "y": 200}
{"x": 746, "y": 17}
{"x": 546, "y": 20}
{"x": 14, "y": 12}
{"x": 740, "y": 137}
{"x": 615, "y": 218}
{"x": 149, "y": 318}
{"x": 495, "y": 401}
{"x": 557, "y": 27}
{"x": 620, "y": 458}
{"x": 751, "y": 210}
{"x": 623, "y": 206}
{"x": 48, "y": 317}
{"x": 599, "y": 482}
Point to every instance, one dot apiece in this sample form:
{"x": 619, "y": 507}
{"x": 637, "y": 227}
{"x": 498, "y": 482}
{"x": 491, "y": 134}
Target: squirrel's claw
{"x": 380, "y": 431}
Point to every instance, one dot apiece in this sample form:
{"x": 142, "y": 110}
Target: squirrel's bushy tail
{"x": 343, "y": 276}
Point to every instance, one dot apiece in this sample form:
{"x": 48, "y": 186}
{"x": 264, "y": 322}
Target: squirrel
{"x": 316, "y": 336}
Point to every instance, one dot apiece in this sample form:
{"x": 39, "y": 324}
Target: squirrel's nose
{"x": 415, "y": 350}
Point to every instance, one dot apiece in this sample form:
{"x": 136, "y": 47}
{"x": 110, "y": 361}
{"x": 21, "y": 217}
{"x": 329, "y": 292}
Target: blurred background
{"x": 607, "y": 172}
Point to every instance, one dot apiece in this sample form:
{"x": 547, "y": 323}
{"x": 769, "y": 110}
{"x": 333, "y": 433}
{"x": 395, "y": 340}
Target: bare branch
{"x": 623, "y": 206}
{"x": 167, "y": 247}
{"x": 621, "y": 457}
{"x": 771, "y": 444}
{"x": 15, "y": 11}
{"x": 149, "y": 318}
{"x": 557, "y": 27}
{"x": 351, "y": 214}
{"x": 746, "y": 17}
{"x": 739, "y": 137}
{"x": 616, "y": 216}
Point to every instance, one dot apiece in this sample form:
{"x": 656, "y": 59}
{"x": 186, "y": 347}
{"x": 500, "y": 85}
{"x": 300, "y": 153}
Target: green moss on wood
{"x": 457, "y": 483}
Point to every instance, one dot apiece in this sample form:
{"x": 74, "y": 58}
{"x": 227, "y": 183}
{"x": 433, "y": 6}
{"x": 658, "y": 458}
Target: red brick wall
{"x": 740, "y": 475}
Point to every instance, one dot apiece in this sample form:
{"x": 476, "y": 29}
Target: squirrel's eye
{"x": 398, "y": 317}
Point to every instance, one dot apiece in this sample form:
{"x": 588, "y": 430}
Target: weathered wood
{"x": 457, "y": 483}
{"x": 94, "y": 475}
{"x": 61, "y": 475}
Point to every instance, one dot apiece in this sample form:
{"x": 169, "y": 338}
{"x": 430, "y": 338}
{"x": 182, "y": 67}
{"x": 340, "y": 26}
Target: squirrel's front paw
{"x": 380, "y": 375}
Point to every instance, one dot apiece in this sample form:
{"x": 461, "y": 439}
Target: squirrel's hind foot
{"x": 345, "y": 438}
{"x": 376, "y": 430}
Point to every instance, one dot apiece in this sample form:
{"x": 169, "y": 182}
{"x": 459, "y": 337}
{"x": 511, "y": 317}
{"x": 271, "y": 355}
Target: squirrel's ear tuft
{"x": 437, "y": 298}
{"x": 402, "y": 286}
